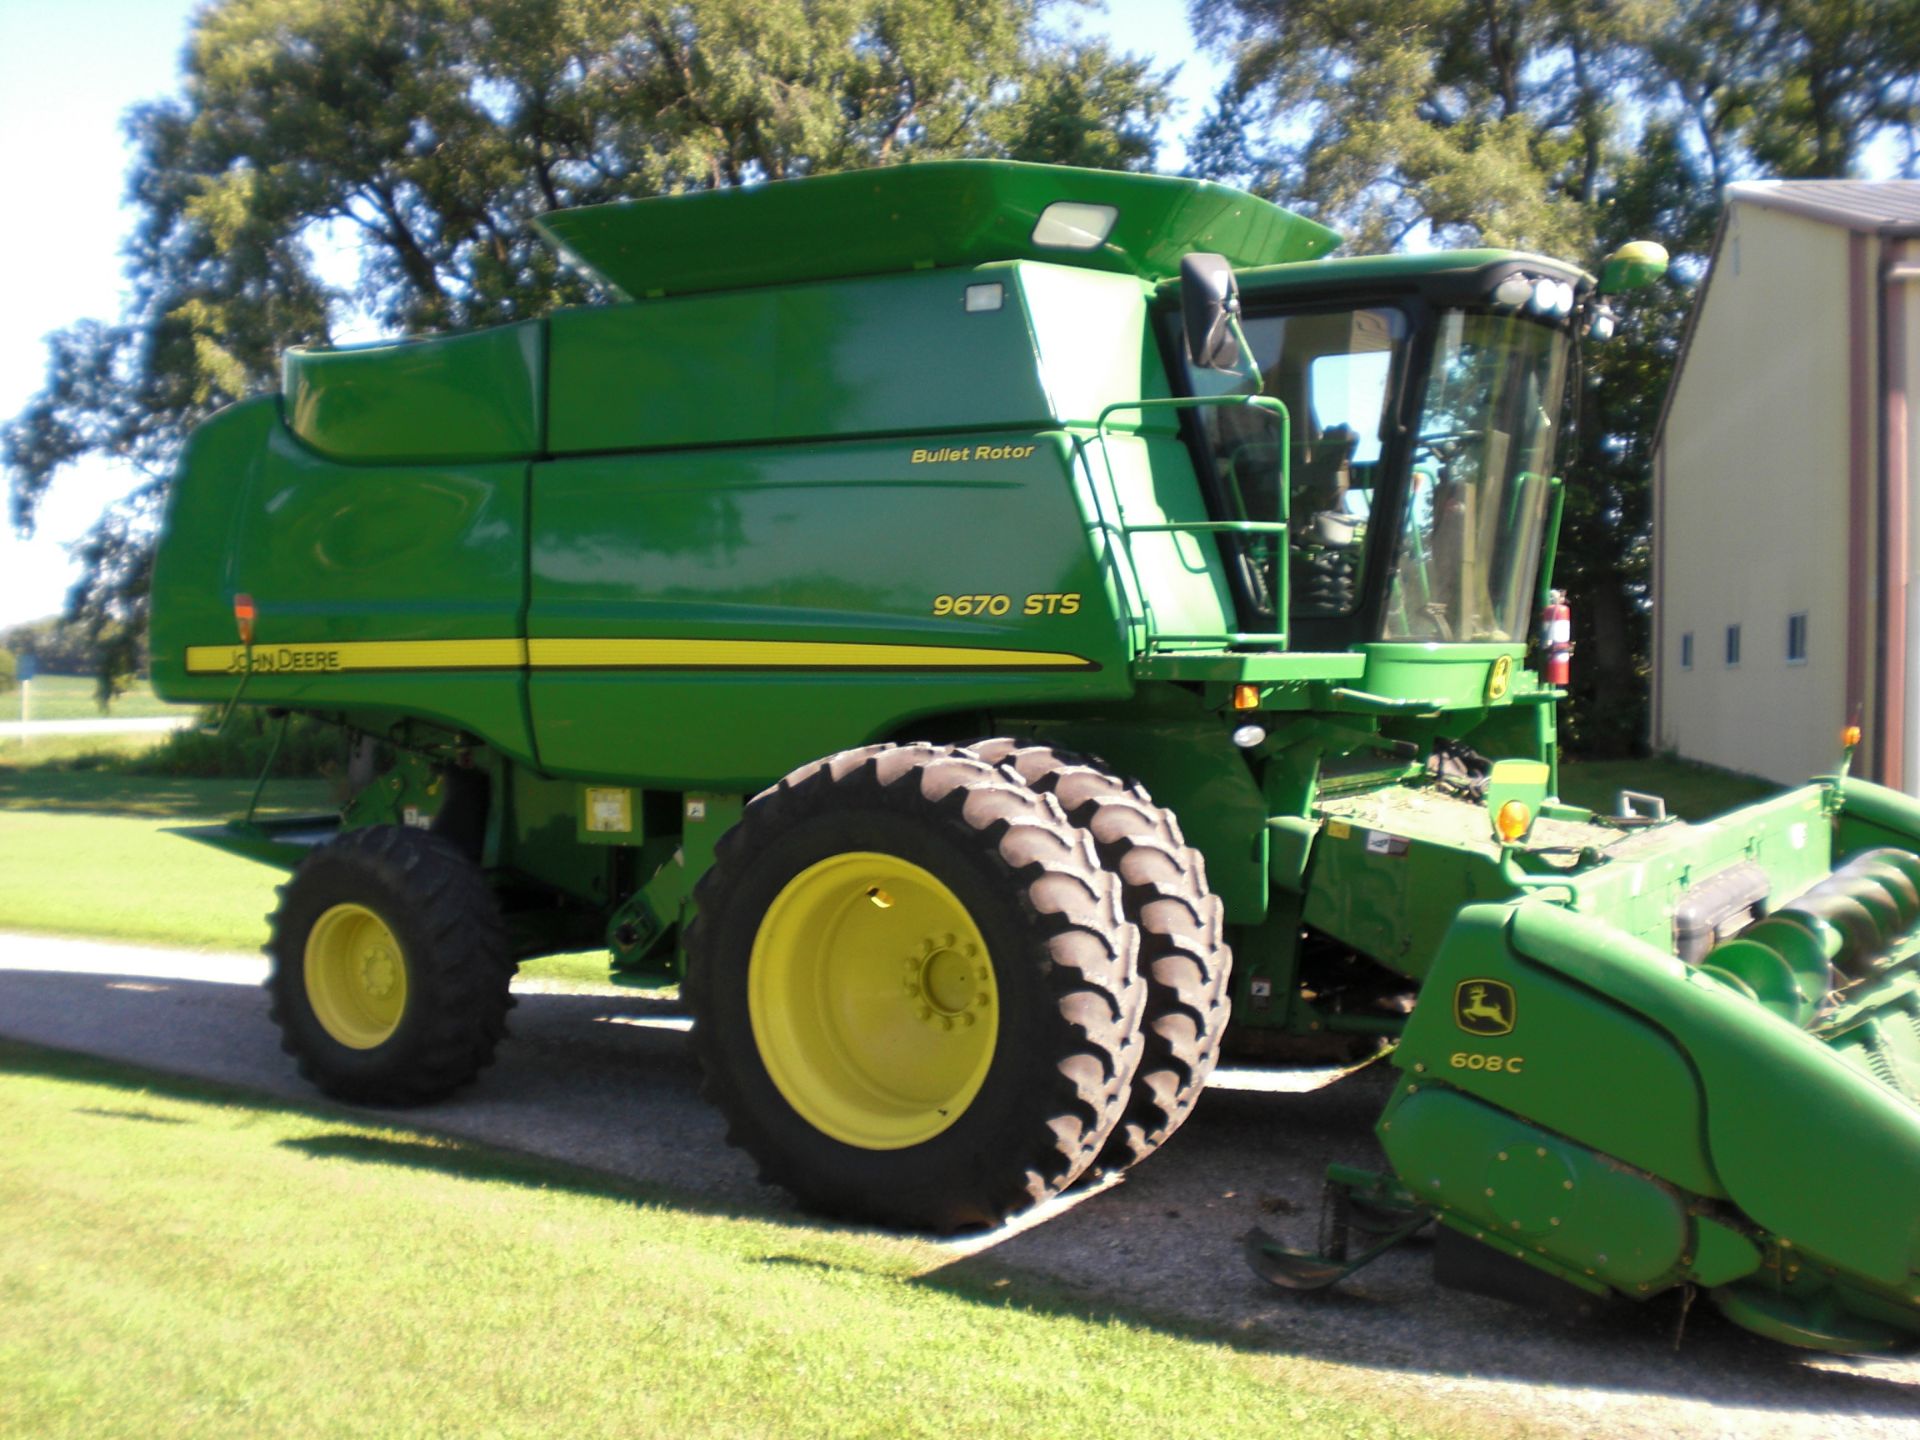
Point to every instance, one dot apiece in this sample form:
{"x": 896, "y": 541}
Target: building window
{"x": 1686, "y": 650}
{"x": 1797, "y": 639}
{"x": 1733, "y": 645}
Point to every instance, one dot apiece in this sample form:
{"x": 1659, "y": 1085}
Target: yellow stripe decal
{"x": 349, "y": 656}
{"x": 783, "y": 655}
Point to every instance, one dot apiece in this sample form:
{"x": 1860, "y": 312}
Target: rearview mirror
{"x": 1209, "y": 301}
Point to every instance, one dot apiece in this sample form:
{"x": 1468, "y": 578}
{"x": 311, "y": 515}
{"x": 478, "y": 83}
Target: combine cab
{"x": 978, "y": 628}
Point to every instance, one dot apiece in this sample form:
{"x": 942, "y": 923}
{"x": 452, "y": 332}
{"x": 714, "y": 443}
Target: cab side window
{"x": 1333, "y": 370}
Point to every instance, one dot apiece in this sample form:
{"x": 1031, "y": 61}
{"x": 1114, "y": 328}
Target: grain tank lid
{"x": 922, "y": 216}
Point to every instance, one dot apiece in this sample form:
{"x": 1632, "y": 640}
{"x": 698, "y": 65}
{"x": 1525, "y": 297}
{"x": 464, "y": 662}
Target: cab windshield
{"x": 1462, "y": 534}
{"x": 1470, "y": 530}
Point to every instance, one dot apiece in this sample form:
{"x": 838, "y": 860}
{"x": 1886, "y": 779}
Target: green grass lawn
{"x": 88, "y": 853}
{"x": 1695, "y": 792}
{"x": 92, "y": 853}
{"x": 82, "y": 752}
{"x": 179, "y": 1259}
{"x": 71, "y": 697}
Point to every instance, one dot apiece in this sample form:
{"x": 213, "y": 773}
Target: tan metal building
{"x": 1786, "y": 571}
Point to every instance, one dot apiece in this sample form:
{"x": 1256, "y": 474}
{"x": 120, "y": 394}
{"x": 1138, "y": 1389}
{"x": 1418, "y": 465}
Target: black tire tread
{"x": 1074, "y": 906}
{"x": 463, "y": 965}
{"x": 1184, "y": 955}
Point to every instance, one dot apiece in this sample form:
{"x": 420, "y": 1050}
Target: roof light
{"x": 1553, "y": 297}
{"x": 1513, "y": 292}
{"x": 1068, "y": 225}
{"x": 1513, "y": 821}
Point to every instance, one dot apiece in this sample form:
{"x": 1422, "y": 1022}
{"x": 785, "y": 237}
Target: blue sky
{"x": 68, "y": 71}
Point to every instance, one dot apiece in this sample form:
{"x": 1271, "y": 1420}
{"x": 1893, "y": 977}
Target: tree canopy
{"x": 425, "y": 133}
{"x": 1565, "y": 126}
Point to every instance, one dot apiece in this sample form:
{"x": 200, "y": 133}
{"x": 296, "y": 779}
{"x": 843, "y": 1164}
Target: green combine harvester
{"x": 943, "y": 614}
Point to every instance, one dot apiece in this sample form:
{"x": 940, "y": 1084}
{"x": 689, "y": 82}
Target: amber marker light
{"x": 1850, "y": 736}
{"x": 243, "y": 614}
{"x": 1512, "y": 821}
{"x": 1246, "y": 697}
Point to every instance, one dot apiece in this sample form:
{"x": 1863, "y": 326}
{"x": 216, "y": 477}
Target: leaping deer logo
{"x": 1483, "y": 1007}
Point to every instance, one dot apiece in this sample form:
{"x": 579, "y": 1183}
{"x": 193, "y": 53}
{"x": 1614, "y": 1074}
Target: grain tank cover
{"x": 923, "y": 216}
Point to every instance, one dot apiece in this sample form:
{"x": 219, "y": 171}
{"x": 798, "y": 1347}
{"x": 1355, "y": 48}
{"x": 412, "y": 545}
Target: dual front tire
{"x": 919, "y": 990}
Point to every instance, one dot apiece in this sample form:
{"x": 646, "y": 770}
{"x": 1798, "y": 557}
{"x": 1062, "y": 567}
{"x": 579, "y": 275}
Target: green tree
{"x": 427, "y": 132}
{"x": 1566, "y": 126}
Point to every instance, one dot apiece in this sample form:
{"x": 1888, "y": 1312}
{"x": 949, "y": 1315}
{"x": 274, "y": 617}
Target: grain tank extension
{"x": 994, "y": 634}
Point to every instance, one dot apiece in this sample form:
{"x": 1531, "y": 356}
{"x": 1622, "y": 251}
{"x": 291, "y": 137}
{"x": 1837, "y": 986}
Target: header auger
{"x": 995, "y": 633}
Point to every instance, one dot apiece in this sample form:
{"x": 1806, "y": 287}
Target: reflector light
{"x": 1513, "y": 820}
{"x": 984, "y": 298}
{"x": 243, "y": 613}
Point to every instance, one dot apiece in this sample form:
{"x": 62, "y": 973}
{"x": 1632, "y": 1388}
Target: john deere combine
{"x": 938, "y": 616}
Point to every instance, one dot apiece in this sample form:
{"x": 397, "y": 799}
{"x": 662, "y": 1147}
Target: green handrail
{"x": 1281, "y": 527}
{"x": 1556, "y": 505}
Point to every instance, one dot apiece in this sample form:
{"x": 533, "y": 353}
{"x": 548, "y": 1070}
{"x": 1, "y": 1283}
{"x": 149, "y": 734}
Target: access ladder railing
{"x": 1118, "y": 531}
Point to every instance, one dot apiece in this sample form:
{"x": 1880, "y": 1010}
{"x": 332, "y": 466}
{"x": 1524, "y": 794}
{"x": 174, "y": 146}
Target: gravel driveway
{"x": 609, "y": 1081}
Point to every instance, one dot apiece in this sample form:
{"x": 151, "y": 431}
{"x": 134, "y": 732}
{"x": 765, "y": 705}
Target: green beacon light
{"x": 1633, "y": 266}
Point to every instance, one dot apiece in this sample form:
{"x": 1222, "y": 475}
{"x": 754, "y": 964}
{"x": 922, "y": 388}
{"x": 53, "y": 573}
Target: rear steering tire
{"x": 390, "y": 968}
{"x": 914, "y": 989}
{"x": 1184, "y": 956}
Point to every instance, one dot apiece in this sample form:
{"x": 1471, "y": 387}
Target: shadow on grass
{"x": 145, "y": 1115}
{"x": 464, "y": 1160}
{"x": 799, "y": 1262}
{"x": 449, "y": 1155}
{"x": 1718, "y": 1362}
{"x": 1626, "y": 1353}
{"x": 102, "y": 792}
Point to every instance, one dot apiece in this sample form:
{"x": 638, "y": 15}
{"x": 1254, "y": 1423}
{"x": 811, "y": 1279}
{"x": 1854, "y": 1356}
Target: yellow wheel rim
{"x": 356, "y": 976}
{"x": 873, "y": 1001}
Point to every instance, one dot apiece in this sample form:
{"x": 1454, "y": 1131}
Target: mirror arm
{"x": 1249, "y": 362}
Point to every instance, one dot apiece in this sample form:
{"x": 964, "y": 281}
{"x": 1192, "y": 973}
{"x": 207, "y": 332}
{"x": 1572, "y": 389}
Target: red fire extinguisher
{"x": 1556, "y": 638}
